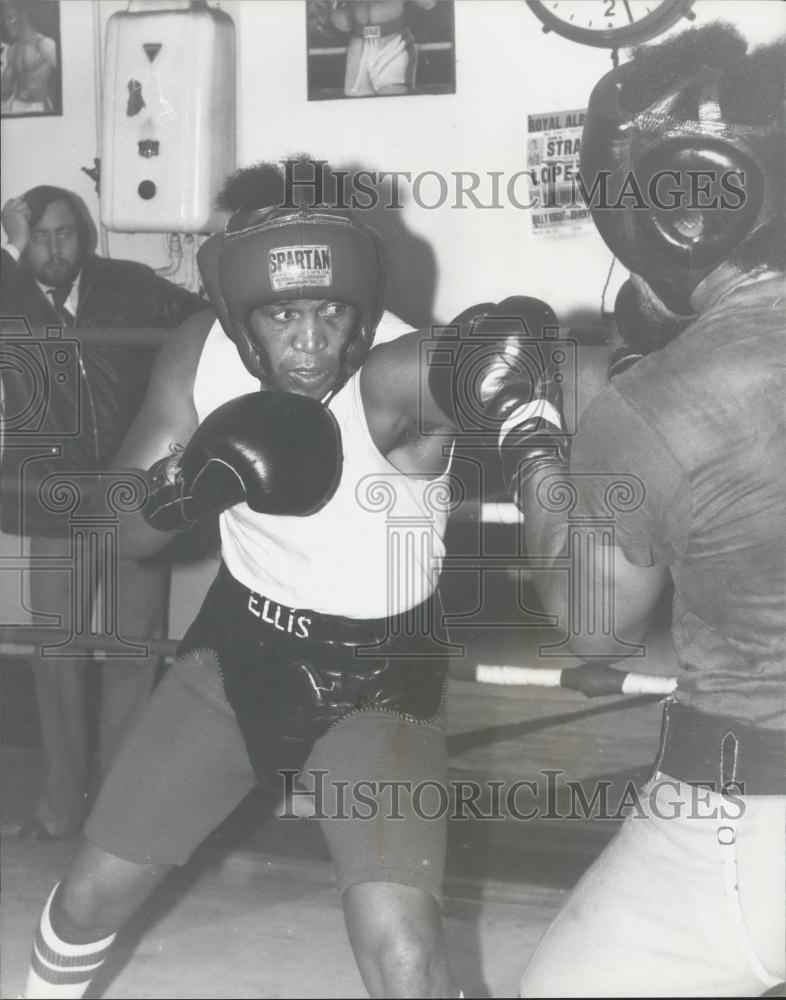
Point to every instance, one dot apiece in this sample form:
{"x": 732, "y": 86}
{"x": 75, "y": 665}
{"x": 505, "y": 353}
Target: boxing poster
{"x": 381, "y": 48}
{"x": 30, "y": 59}
{"x": 553, "y": 150}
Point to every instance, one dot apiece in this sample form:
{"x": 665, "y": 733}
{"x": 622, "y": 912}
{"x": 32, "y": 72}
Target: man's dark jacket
{"x": 67, "y": 409}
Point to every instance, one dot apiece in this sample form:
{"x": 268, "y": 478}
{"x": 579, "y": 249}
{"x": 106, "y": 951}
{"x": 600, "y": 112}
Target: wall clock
{"x": 609, "y": 23}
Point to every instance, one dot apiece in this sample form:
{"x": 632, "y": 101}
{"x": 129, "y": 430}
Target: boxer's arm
{"x": 164, "y": 425}
{"x": 397, "y": 400}
{"x": 48, "y": 50}
{"x": 416, "y": 387}
{"x": 611, "y": 580}
{"x": 627, "y": 571}
{"x": 7, "y": 80}
{"x": 341, "y": 16}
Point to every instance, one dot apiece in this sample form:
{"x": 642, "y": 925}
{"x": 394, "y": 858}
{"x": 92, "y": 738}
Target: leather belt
{"x": 398, "y": 24}
{"x": 266, "y": 617}
{"x": 721, "y": 752}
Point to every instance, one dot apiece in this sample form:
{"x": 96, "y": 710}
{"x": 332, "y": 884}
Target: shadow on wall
{"x": 412, "y": 266}
{"x": 411, "y": 262}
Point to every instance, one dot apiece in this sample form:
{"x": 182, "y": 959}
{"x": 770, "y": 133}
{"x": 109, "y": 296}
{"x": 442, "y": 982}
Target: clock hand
{"x": 627, "y": 8}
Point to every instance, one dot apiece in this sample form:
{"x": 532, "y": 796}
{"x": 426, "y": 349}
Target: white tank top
{"x": 373, "y": 551}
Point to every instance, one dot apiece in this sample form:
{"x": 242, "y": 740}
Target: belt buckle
{"x": 372, "y": 31}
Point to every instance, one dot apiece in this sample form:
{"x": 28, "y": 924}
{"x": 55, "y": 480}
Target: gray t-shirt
{"x": 701, "y": 424}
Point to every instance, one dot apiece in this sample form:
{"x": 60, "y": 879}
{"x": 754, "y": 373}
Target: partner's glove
{"x": 278, "y": 452}
{"x": 644, "y": 323}
{"x": 502, "y": 374}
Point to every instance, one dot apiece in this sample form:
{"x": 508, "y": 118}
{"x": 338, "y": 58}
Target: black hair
{"x": 259, "y": 186}
{"x": 27, "y": 11}
{"x": 268, "y": 185}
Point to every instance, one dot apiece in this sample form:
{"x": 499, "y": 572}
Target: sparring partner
{"x": 688, "y": 899}
{"x": 318, "y": 648}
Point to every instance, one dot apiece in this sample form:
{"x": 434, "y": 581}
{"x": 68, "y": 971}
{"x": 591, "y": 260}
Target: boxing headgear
{"x": 676, "y": 189}
{"x": 274, "y": 255}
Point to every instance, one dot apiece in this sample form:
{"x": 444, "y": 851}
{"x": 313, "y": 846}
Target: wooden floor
{"x": 256, "y": 913}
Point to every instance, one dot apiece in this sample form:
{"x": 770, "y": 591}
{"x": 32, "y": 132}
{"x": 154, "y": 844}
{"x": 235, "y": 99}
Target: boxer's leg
{"x": 142, "y": 598}
{"x": 79, "y": 921}
{"x": 356, "y": 78}
{"x": 397, "y": 938}
{"x": 390, "y": 856}
{"x": 395, "y": 65}
{"x": 179, "y": 774}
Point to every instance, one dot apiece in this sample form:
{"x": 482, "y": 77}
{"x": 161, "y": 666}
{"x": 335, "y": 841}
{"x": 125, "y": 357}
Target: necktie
{"x": 58, "y": 297}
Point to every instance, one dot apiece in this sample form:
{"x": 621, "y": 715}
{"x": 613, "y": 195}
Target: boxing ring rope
{"x": 590, "y": 679}
{"x": 341, "y": 50}
{"x": 18, "y": 331}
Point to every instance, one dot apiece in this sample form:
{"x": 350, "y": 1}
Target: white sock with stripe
{"x": 59, "y": 969}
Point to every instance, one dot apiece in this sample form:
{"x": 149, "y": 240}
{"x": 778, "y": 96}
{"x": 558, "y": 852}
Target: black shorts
{"x": 290, "y": 674}
{"x": 187, "y": 764}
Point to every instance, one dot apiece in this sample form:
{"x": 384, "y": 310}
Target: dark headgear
{"x": 274, "y": 254}
{"x": 656, "y": 150}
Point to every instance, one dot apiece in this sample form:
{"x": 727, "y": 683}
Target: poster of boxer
{"x": 30, "y": 58}
{"x": 379, "y": 49}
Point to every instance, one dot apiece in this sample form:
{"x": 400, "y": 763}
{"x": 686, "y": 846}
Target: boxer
{"x": 287, "y": 412}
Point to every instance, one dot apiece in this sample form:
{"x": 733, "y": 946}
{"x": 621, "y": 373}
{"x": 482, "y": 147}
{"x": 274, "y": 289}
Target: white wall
{"x": 445, "y": 258}
{"x": 506, "y": 68}
{"x": 52, "y": 150}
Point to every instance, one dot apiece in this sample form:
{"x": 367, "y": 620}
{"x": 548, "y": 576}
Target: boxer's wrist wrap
{"x": 167, "y": 507}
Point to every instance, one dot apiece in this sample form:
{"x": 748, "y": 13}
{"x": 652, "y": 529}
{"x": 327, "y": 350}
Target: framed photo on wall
{"x": 380, "y": 48}
{"x": 30, "y": 59}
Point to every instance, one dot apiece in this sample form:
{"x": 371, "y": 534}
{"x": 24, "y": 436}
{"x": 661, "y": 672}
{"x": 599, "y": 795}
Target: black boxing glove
{"x": 644, "y": 323}
{"x": 279, "y": 452}
{"x": 500, "y": 373}
{"x": 623, "y": 358}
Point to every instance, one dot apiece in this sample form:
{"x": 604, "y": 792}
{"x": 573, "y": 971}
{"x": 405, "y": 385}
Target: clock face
{"x": 609, "y": 22}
